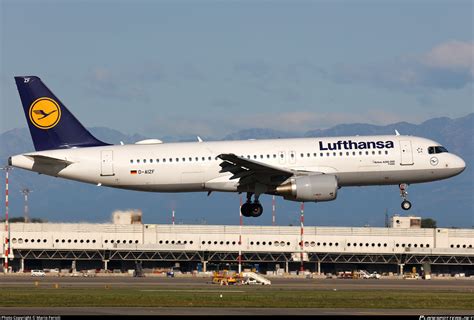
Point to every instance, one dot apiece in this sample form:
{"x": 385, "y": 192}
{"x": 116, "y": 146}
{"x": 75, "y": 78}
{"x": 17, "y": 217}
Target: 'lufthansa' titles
{"x": 351, "y": 145}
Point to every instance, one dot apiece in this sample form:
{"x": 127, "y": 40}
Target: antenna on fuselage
{"x": 396, "y": 132}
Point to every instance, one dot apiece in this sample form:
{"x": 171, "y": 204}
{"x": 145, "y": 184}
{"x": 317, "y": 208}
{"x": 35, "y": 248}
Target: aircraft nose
{"x": 459, "y": 164}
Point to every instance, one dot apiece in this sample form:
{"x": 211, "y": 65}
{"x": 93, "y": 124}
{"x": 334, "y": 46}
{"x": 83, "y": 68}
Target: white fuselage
{"x": 194, "y": 166}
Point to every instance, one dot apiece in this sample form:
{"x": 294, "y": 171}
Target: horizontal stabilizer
{"x": 49, "y": 160}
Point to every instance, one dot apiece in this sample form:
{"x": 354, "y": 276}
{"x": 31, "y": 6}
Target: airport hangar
{"x": 120, "y": 245}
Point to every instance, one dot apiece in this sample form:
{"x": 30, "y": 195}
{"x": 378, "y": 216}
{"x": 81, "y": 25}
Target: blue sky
{"x": 210, "y": 68}
{"x": 213, "y": 67}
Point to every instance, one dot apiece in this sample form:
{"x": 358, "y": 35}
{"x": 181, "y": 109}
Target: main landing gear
{"x": 251, "y": 209}
{"x": 406, "y": 205}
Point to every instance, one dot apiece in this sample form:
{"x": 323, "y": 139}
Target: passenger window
{"x": 302, "y": 155}
{"x": 157, "y": 160}
{"x": 171, "y": 159}
{"x": 315, "y": 154}
{"x": 190, "y": 159}
{"x": 209, "y": 158}
{"x": 197, "y": 158}
{"x": 138, "y": 160}
{"x": 177, "y": 159}
{"x": 164, "y": 160}
{"x": 184, "y": 159}
{"x": 131, "y": 161}
{"x": 321, "y": 154}
{"x": 151, "y": 160}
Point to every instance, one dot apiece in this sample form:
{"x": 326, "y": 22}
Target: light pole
{"x": 302, "y": 232}
{"x": 26, "y": 192}
{"x": 240, "y": 235}
{"x": 273, "y": 211}
{"x": 6, "y": 250}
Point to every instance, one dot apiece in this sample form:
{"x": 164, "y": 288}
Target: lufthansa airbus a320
{"x": 306, "y": 169}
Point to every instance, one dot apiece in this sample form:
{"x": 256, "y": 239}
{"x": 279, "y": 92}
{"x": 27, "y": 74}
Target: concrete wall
{"x": 225, "y": 238}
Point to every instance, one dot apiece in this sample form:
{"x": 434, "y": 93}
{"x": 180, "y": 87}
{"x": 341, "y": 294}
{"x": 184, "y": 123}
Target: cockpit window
{"x": 437, "y": 149}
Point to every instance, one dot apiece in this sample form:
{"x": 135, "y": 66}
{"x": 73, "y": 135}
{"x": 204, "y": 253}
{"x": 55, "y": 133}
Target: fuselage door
{"x": 107, "y": 163}
{"x": 406, "y": 153}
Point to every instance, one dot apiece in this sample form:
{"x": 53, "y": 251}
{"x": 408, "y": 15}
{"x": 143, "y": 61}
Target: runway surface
{"x": 457, "y": 285}
{"x": 225, "y": 311}
{"x": 203, "y": 285}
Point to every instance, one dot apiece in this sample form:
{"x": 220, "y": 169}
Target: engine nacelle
{"x": 317, "y": 187}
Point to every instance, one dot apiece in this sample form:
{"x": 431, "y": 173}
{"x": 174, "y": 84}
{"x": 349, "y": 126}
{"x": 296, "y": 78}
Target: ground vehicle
{"x": 226, "y": 278}
{"x": 250, "y": 281}
{"x": 366, "y": 275}
{"x": 255, "y": 278}
{"x": 37, "y": 273}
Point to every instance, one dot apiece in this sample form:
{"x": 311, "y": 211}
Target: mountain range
{"x": 450, "y": 202}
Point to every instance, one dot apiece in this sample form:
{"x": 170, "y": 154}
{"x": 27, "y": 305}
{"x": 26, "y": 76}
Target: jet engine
{"x": 316, "y": 187}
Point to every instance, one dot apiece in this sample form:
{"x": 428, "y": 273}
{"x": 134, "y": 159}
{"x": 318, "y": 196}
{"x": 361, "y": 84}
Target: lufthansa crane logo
{"x": 45, "y": 113}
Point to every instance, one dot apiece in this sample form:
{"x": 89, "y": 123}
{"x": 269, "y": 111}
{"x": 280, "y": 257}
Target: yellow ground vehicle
{"x": 225, "y": 278}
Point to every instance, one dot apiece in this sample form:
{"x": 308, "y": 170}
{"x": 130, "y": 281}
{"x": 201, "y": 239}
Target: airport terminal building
{"x": 120, "y": 245}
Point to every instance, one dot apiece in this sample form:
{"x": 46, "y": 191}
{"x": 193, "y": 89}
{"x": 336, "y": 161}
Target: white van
{"x": 37, "y": 273}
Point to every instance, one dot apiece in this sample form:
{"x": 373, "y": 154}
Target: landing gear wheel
{"x": 251, "y": 209}
{"x": 257, "y": 209}
{"x": 246, "y": 209}
{"x": 406, "y": 205}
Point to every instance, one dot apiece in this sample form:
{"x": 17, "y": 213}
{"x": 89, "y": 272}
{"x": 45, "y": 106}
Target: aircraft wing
{"x": 250, "y": 171}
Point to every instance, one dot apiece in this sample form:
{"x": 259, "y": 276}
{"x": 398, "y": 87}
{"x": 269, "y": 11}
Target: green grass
{"x": 251, "y": 297}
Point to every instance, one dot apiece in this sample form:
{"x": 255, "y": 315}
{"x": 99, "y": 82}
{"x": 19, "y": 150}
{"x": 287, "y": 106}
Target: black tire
{"x": 256, "y": 209}
{"x": 246, "y": 209}
{"x": 406, "y": 205}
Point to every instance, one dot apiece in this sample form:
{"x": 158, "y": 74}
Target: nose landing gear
{"x": 251, "y": 209}
{"x": 406, "y": 205}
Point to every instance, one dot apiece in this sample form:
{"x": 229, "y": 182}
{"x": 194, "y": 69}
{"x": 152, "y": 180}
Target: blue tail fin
{"x": 51, "y": 124}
